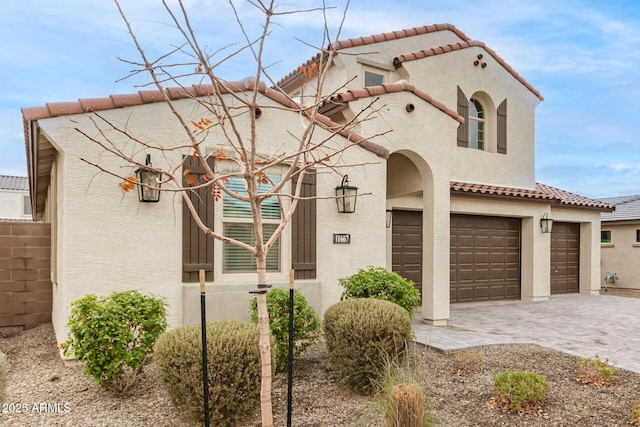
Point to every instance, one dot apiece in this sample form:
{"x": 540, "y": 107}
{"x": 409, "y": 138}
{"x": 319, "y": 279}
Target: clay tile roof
{"x": 399, "y": 60}
{"x": 82, "y": 106}
{"x": 363, "y": 41}
{"x": 572, "y": 199}
{"x": 400, "y": 86}
{"x": 541, "y": 192}
{"x": 18, "y": 183}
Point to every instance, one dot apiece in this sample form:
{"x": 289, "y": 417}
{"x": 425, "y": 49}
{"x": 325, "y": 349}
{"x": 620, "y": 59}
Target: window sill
{"x": 606, "y": 245}
{"x": 635, "y": 245}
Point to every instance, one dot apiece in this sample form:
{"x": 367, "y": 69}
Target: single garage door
{"x": 406, "y": 246}
{"x": 565, "y": 258}
{"x": 485, "y": 258}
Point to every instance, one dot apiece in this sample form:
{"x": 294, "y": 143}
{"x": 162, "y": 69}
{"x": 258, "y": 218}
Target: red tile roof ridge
{"x": 399, "y": 86}
{"x": 541, "y": 192}
{"x": 366, "y": 40}
{"x": 399, "y": 60}
{"x": 88, "y": 105}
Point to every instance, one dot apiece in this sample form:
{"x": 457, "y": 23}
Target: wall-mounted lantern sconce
{"x": 546, "y": 223}
{"x": 389, "y": 218}
{"x": 346, "y": 196}
{"x": 148, "y": 183}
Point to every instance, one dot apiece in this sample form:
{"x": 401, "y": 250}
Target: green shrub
{"x": 3, "y": 377}
{"x": 596, "y": 371}
{"x": 519, "y": 391}
{"x": 234, "y": 370}
{"x": 380, "y": 283}
{"x": 363, "y": 335}
{"x": 114, "y": 335}
{"x": 635, "y": 413}
{"x": 306, "y": 324}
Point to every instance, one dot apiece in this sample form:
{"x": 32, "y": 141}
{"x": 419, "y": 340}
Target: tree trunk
{"x": 265, "y": 345}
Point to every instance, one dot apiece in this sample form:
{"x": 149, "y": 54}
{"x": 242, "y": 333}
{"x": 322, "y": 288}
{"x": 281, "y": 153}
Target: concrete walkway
{"x": 582, "y": 325}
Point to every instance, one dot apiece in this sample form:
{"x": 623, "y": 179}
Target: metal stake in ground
{"x": 290, "y": 357}
{"x": 205, "y": 376}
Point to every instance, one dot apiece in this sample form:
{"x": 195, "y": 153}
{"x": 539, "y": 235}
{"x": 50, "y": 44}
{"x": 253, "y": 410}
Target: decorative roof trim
{"x": 399, "y": 60}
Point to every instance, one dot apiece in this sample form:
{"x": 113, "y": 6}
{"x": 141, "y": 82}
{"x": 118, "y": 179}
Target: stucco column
{"x": 435, "y": 256}
{"x": 535, "y": 261}
{"x": 590, "y": 258}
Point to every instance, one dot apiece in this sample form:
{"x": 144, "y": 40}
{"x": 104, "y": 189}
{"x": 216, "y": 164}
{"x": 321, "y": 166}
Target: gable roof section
{"x": 627, "y": 209}
{"x": 16, "y": 183}
{"x": 399, "y": 60}
{"x": 401, "y": 86}
{"x": 542, "y": 192}
{"x": 88, "y": 105}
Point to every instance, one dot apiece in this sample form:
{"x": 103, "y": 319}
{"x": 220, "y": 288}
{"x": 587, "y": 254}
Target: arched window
{"x": 476, "y": 124}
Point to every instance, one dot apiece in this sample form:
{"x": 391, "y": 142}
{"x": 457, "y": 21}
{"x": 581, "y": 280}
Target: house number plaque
{"x": 342, "y": 238}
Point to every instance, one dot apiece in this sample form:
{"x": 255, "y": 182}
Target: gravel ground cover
{"x": 45, "y": 391}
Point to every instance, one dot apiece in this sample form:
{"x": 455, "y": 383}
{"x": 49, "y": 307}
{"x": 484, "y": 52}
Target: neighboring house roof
{"x": 401, "y": 86}
{"x": 542, "y": 192}
{"x": 627, "y": 209}
{"x": 18, "y": 183}
{"x": 397, "y": 61}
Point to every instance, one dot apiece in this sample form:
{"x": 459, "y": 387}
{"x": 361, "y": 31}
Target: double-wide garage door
{"x": 485, "y": 258}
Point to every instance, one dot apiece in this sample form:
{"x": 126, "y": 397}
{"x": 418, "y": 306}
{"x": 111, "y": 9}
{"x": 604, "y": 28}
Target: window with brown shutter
{"x": 197, "y": 248}
{"x": 463, "y": 110}
{"x": 502, "y": 127}
{"x": 303, "y": 230}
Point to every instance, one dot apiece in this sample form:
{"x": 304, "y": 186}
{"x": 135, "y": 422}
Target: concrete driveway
{"x": 582, "y": 325}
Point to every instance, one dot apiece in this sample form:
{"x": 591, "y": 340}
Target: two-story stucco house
{"x": 453, "y": 201}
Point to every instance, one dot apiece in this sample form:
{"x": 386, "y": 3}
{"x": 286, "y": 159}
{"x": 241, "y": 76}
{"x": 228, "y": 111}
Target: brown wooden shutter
{"x": 502, "y": 127}
{"x": 197, "y": 248}
{"x": 463, "y": 110}
{"x": 303, "y": 230}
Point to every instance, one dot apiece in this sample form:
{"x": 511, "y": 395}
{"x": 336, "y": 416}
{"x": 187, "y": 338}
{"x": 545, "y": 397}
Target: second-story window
{"x": 372, "y": 79}
{"x": 476, "y": 124}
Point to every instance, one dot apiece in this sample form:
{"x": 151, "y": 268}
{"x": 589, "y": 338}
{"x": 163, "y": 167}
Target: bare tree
{"x": 225, "y": 104}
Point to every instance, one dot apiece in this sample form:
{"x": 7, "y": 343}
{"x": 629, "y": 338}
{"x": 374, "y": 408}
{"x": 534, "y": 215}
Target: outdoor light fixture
{"x": 346, "y": 196}
{"x": 148, "y": 182}
{"x": 389, "y": 218}
{"x": 546, "y": 223}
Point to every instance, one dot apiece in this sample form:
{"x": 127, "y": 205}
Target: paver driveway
{"x": 582, "y": 325}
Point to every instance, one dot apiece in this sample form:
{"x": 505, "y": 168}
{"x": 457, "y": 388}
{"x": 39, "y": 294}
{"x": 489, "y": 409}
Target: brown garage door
{"x": 485, "y": 258}
{"x": 406, "y": 246}
{"x": 565, "y": 258}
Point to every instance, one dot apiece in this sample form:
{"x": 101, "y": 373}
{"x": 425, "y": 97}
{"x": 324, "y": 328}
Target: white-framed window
{"x": 238, "y": 225}
{"x": 476, "y": 124}
{"x": 26, "y": 205}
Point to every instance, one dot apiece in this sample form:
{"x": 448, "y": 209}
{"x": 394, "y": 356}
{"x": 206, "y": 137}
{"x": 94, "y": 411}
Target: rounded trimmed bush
{"x": 234, "y": 370}
{"x": 380, "y": 283}
{"x": 364, "y": 335}
{"x": 306, "y": 323}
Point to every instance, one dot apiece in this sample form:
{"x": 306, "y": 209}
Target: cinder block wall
{"x": 25, "y": 281}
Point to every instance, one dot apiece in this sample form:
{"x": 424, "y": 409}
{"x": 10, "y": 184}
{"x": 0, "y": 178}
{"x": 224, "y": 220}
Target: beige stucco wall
{"x": 108, "y": 241}
{"x": 12, "y": 205}
{"x": 620, "y": 257}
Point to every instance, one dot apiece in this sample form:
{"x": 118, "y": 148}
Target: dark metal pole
{"x": 205, "y": 376}
{"x": 290, "y": 358}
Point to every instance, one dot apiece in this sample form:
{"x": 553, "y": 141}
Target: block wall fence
{"x": 25, "y": 281}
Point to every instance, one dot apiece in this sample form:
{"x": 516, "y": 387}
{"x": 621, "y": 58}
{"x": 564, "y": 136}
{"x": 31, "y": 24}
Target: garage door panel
{"x": 565, "y": 258}
{"x": 485, "y": 258}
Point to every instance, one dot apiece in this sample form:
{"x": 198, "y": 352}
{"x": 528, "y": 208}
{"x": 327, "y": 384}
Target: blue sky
{"x": 582, "y": 55}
